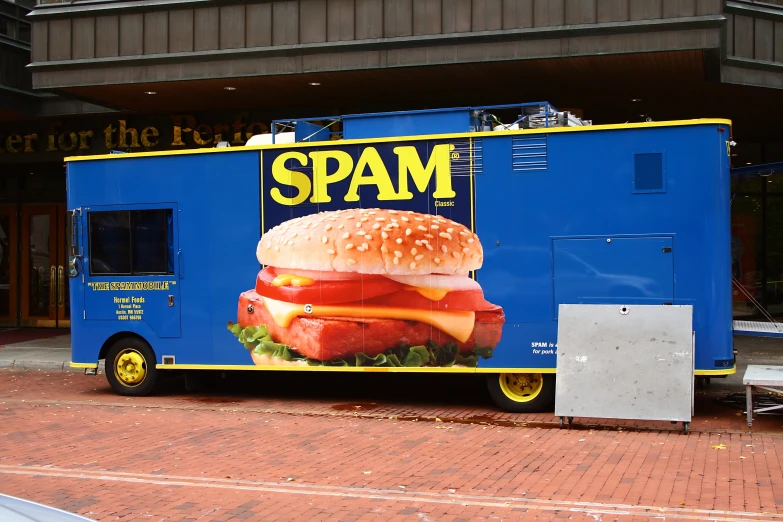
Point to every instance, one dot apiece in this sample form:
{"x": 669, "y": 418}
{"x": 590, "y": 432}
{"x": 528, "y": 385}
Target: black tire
{"x": 136, "y": 350}
{"x": 541, "y": 401}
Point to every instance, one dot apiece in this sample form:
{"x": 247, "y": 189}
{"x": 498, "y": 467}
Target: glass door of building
{"x": 8, "y": 265}
{"x": 44, "y": 283}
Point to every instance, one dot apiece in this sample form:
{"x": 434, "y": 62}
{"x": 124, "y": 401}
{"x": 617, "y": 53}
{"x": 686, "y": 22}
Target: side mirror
{"x": 73, "y": 267}
{"x": 74, "y": 232}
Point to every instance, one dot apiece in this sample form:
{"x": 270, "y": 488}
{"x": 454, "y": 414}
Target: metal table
{"x": 635, "y": 360}
{"x": 764, "y": 378}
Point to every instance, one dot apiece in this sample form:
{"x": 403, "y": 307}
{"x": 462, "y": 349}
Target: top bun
{"x": 372, "y": 241}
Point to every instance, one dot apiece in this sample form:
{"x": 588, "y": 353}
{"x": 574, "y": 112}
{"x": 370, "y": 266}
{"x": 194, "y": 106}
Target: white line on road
{"x": 384, "y": 494}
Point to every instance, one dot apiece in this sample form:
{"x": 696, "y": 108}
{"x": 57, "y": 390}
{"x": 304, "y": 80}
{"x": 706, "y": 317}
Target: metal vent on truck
{"x": 467, "y": 157}
{"x": 529, "y": 154}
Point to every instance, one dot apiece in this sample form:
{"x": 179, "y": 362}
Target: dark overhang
{"x": 766, "y": 169}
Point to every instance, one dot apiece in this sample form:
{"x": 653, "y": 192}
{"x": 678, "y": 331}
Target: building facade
{"x": 86, "y": 77}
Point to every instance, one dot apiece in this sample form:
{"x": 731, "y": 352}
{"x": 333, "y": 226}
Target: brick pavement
{"x": 303, "y": 394}
{"x": 66, "y": 440}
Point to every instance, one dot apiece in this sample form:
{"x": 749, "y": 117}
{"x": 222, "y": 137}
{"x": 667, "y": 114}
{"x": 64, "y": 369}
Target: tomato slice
{"x": 360, "y": 289}
{"x": 471, "y": 300}
{"x": 357, "y": 288}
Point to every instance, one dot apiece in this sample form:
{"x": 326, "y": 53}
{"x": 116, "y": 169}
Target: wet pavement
{"x": 318, "y": 446}
{"x": 261, "y": 446}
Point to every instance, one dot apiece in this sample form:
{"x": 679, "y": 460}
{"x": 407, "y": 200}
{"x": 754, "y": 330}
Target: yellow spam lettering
{"x": 439, "y": 164}
{"x": 379, "y": 176}
{"x": 322, "y": 179}
{"x": 292, "y": 178}
{"x": 457, "y": 324}
{"x": 368, "y": 170}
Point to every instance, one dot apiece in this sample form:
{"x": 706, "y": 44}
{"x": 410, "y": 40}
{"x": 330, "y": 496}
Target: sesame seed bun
{"x": 372, "y": 241}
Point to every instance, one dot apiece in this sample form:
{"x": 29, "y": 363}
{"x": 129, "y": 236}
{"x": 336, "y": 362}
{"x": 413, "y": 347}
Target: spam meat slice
{"x": 327, "y": 338}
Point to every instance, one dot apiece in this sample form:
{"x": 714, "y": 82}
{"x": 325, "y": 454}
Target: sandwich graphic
{"x": 368, "y": 287}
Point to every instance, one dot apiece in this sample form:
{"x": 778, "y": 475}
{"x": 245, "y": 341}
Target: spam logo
{"x": 319, "y": 175}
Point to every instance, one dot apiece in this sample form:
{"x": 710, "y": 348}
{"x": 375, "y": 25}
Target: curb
{"x": 52, "y": 366}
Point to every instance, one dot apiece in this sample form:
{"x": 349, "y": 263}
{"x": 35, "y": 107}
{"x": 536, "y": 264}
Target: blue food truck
{"x": 425, "y": 241}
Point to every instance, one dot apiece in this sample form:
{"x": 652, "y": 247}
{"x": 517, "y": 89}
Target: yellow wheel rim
{"x": 130, "y": 368}
{"x": 521, "y": 387}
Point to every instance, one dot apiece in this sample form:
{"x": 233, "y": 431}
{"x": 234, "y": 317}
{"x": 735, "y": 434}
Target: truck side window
{"x": 131, "y": 242}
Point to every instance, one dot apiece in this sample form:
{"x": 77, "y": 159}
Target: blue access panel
{"x": 408, "y": 123}
{"x": 606, "y": 270}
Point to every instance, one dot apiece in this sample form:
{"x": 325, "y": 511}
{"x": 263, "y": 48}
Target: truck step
{"x": 758, "y": 328}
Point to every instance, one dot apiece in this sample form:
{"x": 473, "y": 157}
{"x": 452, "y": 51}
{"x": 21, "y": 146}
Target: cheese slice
{"x": 433, "y": 294}
{"x": 459, "y": 325}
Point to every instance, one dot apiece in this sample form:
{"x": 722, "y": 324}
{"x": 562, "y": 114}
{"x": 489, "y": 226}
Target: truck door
{"x": 75, "y": 252}
{"x": 630, "y": 270}
{"x": 131, "y": 267}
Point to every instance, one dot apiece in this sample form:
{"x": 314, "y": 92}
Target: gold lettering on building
{"x": 202, "y": 135}
{"x": 179, "y": 128}
{"x": 83, "y": 143}
{"x": 186, "y": 132}
{"x": 12, "y": 143}
{"x": 67, "y": 141}
{"x": 28, "y": 141}
{"x": 147, "y": 134}
{"x": 108, "y": 134}
{"x": 123, "y": 134}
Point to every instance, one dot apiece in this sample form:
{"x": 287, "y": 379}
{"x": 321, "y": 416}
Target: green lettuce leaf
{"x": 485, "y": 352}
{"x": 417, "y": 356}
{"x": 393, "y": 360}
{"x": 333, "y": 362}
{"x": 470, "y": 362}
{"x": 277, "y": 350}
{"x": 258, "y": 340}
{"x": 365, "y": 360}
{"x": 234, "y": 328}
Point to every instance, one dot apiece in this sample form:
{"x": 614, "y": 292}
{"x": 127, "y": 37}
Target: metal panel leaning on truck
{"x": 437, "y": 253}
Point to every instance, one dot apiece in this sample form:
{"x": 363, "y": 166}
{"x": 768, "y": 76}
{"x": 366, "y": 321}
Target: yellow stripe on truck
{"x": 459, "y": 325}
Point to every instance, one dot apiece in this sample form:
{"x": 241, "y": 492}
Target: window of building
{"x": 747, "y": 255}
{"x": 24, "y": 32}
{"x": 773, "y": 231}
{"x": 13, "y": 24}
{"x": 7, "y": 27}
{"x": 757, "y": 245}
{"x": 131, "y": 242}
